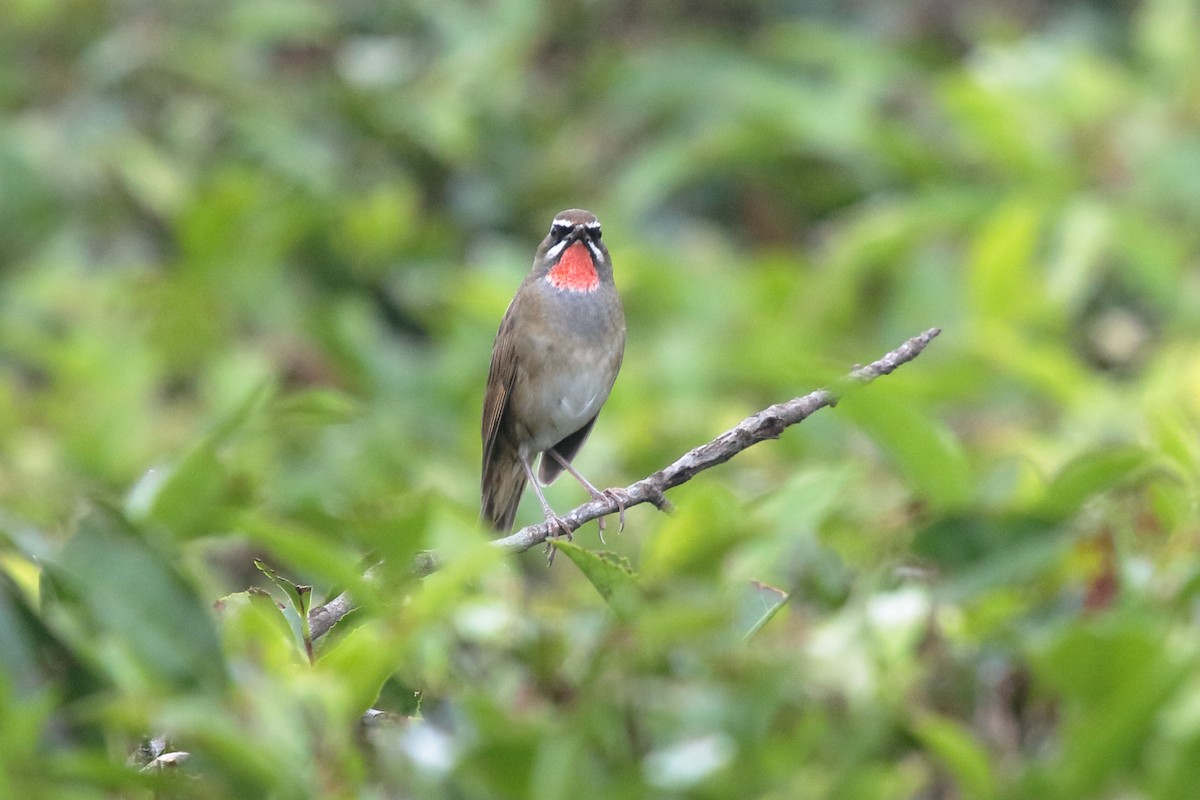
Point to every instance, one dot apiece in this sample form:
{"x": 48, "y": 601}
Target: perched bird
{"x": 554, "y": 362}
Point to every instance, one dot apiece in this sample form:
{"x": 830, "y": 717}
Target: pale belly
{"x": 564, "y": 390}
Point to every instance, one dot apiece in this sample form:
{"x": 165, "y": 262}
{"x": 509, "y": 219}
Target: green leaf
{"x": 923, "y": 449}
{"x": 954, "y": 746}
{"x": 978, "y": 552}
{"x": 21, "y": 635}
{"x": 1095, "y": 473}
{"x": 253, "y": 626}
{"x": 1116, "y": 676}
{"x": 189, "y": 497}
{"x": 355, "y": 667}
{"x": 705, "y": 527}
{"x": 759, "y": 603}
{"x": 185, "y": 496}
{"x": 305, "y": 550}
{"x": 609, "y": 573}
{"x": 33, "y": 658}
{"x": 318, "y": 407}
{"x": 300, "y": 598}
{"x": 1001, "y": 281}
{"x": 809, "y": 496}
{"x": 127, "y": 603}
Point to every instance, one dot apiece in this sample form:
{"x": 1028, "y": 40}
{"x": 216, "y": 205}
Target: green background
{"x": 252, "y": 259}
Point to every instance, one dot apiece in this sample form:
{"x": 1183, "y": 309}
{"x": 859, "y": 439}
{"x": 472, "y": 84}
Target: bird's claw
{"x": 553, "y": 522}
{"x": 613, "y": 495}
{"x": 620, "y": 497}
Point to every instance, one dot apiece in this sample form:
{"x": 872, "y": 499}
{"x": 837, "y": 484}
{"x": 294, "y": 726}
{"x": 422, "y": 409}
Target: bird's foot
{"x": 614, "y": 495}
{"x": 556, "y": 528}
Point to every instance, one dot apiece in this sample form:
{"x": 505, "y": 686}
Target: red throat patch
{"x": 574, "y": 270}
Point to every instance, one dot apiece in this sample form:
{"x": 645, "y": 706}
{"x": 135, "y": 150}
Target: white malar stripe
{"x": 597, "y": 257}
{"x": 554, "y": 251}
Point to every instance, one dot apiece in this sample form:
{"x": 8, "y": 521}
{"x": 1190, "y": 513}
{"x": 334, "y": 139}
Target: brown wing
{"x": 501, "y": 376}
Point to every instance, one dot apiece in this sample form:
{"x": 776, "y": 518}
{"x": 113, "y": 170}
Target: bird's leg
{"x": 553, "y": 520}
{"x": 618, "y": 496}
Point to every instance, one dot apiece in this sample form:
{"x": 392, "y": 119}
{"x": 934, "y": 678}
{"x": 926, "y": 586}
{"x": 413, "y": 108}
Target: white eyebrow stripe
{"x": 566, "y": 223}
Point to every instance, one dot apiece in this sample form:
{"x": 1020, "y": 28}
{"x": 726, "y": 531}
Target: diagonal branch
{"x": 766, "y": 424}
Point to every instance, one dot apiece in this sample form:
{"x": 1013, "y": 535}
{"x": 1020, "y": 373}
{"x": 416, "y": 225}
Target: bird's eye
{"x": 560, "y": 232}
{"x": 595, "y": 232}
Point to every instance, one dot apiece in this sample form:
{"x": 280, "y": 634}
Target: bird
{"x": 554, "y": 361}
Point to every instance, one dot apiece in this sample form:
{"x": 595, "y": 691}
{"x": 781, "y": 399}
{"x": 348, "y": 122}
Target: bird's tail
{"x": 503, "y": 483}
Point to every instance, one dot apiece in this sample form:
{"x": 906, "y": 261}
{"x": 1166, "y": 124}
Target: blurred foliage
{"x": 252, "y": 258}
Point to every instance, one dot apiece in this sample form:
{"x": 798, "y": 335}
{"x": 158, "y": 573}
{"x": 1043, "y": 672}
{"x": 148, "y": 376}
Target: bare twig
{"x": 322, "y": 618}
{"x": 766, "y": 424}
